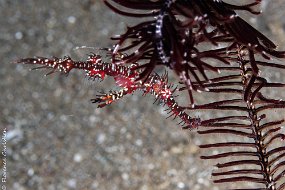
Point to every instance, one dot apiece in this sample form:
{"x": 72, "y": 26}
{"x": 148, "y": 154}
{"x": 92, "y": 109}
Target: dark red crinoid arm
{"x": 175, "y": 32}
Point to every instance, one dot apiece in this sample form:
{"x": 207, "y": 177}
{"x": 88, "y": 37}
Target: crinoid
{"x": 215, "y": 52}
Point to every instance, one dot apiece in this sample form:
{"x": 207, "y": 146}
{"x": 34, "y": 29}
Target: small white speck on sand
{"x": 77, "y": 157}
{"x": 19, "y": 35}
{"x": 71, "y": 19}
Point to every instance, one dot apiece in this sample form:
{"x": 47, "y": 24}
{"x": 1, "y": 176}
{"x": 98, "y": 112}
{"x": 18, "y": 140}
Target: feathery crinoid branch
{"x": 176, "y": 33}
{"x": 249, "y": 136}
